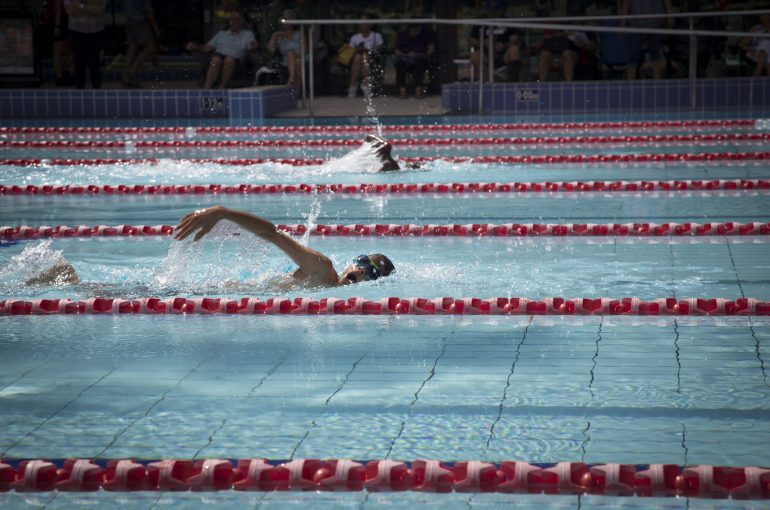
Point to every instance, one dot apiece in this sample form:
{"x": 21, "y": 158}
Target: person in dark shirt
{"x": 506, "y": 49}
{"x": 414, "y": 48}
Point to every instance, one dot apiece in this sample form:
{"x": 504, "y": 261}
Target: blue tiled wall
{"x": 122, "y": 104}
{"x": 603, "y": 97}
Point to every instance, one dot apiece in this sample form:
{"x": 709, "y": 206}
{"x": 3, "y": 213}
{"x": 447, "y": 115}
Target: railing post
{"x": 481, "y": 68}
{"x": 302, "y": 61}
{"x": 693, "y": 63}
{"x": 311, "y": 70}
{"x": 491, "y": 54}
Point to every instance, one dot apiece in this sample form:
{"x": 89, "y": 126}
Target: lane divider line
{"x": 429, "y": 230}
{"x": 390, "y": 306}
{"x": 583, "y": 159}
{"x": 378, "y": 188}
{"x": 547, "y": 126}
{"x": 424, "y": 475}
{"x": 615, "y": 141}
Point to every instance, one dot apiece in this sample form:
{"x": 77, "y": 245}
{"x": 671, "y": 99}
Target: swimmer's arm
{"x": 312, "y": 263}
{"x": 383, "y": 150}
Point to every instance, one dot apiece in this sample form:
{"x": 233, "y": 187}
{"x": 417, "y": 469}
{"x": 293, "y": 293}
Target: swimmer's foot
{"x": 60, "y": 274}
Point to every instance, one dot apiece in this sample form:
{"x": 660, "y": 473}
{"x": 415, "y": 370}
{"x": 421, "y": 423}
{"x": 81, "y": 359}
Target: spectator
{"x": 565, "y": 50}
{"x": 556, "y": 50}
{"x": 367, "y": 46}
{"x": 54, "y": 21}
{"x": 86, "y": 27}
{"x": 231, "y": 47}
{"x": 506, "y": 50}
{"x": 289, "y": 44}
{"x": 758, "y": 48}
{"x": 638, "y": 7}
{"x": 506, "y": 45}
{"x": 142, "y": 34}
{"x": 414, "y": 48}
{"x": 587, "y": 63}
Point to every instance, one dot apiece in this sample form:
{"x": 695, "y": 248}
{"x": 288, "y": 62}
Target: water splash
{"x": 310, "y": 219}
{"x": 210, "y": 264}
{"x": 360, "y": 160}
{"x": 371, "y": 111}
{"x": 35, "y": 258}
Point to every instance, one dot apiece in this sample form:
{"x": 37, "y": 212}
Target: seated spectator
{"x": 367, "y": 46}
{"x": 142, "y": 34}
{"x": 564, "y": 50}
{"x": 587, "y": 63}
{"x": 506, "y": 51}
{"x": 758, "y": 48}
{"x": 634, "y": 7}
{"x": 290, "y": 44}
{"x": 414, "y": 48}
{"x": 54, "y": 20}
{"x": 231, "y": 47}
{"x": 556, "y": 50}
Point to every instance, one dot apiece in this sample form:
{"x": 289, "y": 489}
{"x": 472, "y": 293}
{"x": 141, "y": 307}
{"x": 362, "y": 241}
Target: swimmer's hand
{"x": 202, "y": 220}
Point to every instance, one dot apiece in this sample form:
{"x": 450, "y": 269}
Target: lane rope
{"x": 428, "y": 230}
{"x": 591, "y": 159}
{"x": 615, "y": 141}
{"x": 378, "y": 188}
{"x": 424, "y": 475}
{"x": 611, "y": 126}
{"x": 390, "y": 306}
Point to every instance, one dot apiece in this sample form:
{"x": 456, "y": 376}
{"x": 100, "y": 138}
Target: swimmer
{"x": 60, "y": 274}
{"x": 382, "y": 149}
{"x": 315, "y": 269}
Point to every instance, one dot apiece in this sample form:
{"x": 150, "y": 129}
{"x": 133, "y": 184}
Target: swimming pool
{"x": 666, "y": 389}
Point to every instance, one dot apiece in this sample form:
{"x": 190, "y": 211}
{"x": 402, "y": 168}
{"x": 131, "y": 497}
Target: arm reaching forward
{"x": 314, "y": 266}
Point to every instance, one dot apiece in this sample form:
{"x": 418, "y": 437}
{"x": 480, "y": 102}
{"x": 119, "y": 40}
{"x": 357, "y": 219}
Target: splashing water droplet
{"x": 310, "y": 218}
{"x": 32, "y": 261}
{"x": 210, "y": 265}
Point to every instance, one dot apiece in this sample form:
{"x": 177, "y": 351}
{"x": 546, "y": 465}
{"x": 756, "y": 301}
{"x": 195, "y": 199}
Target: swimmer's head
{"x": 367, "y": 267}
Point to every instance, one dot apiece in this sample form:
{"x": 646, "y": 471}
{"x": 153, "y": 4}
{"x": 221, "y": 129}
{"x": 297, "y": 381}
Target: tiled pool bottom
{"x": 540, "y": 389}
{"x": 358, "y": 500}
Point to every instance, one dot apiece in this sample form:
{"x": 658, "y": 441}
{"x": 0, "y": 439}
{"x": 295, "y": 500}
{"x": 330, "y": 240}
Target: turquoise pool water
{"x": 637, "y": 390}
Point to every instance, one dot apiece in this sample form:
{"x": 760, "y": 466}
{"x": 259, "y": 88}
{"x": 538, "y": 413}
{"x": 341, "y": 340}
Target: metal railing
{"x": 555, "y": 23}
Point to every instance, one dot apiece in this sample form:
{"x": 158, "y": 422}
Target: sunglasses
{"x": 371, "y": 271}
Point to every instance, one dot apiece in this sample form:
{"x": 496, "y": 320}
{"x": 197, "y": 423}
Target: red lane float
{"x": 403, "y": 188}
{"x": 568, "y": 126}
{"x": 574, "y": 159}
{"x": 338, "y": 142}
{"x": 424, "y": 475}
{"x": 390, "y": 306}
{"x": 430, "y": 230}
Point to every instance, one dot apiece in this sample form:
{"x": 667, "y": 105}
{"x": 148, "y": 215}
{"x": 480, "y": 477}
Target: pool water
{"x": 543, "y": 389}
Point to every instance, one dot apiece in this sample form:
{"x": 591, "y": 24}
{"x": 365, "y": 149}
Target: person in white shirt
{"x": 367, "y": 44}
{"x": 230, "y": 47}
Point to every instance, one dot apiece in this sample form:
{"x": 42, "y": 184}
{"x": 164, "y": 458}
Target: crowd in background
{"x": 247, "y": 43}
